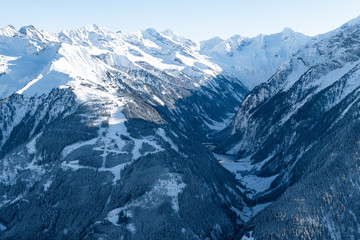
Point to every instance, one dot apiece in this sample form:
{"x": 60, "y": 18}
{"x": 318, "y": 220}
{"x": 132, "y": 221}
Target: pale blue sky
{"x": 196, "y": 19}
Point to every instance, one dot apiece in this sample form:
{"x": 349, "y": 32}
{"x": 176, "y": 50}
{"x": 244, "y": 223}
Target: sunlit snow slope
{"x": 101, "y": 137}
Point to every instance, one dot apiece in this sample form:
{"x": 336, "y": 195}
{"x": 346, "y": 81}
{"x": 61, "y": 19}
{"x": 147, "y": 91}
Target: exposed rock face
{"x": 102, "y": 139}
{"x": 102, "y": 135}
{"x": 300, "y": 130}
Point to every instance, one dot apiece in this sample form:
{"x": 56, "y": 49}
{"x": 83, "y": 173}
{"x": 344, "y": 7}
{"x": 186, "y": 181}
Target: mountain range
{"x": 149, "y": 135}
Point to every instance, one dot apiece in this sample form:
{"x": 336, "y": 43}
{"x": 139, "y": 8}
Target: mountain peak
{"x": 151, "y": 32}
{"x": 177, "y": 38}
{"x": 168, "y": 32}
{"x": 8, "y": 31}
{"x": 33, "y": 33}
{"x": 92, "y": 28}
{"x": 25, "y": 29}
{"x": 210, "y": 43}
{"x": 236, "y": 38}
{"x": 214, "y": 39}
{"x": 9, "y": 27}
{"x": 287, "y": 31}
{"x": 171, "y": 34}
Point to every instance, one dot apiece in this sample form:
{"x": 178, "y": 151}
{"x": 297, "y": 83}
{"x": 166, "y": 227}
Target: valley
{"x": 150, "y": 135}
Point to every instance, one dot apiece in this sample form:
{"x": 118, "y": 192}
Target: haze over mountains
{"x": 109, "y": 135}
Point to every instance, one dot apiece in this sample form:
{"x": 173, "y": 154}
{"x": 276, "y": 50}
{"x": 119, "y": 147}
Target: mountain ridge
{"x": 103, "y": 132}
{"x": 50, "y": 38}
{"x": 102, "y": 135}
{"x": 292, "y": 126}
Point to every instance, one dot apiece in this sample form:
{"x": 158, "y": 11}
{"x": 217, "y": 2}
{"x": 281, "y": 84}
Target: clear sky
{"x": 196, "y": 19}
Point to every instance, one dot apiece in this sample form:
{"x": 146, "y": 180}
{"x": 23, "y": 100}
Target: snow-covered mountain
{"x": 163, "y": 67}
{"x": 254, "y": 60}
{"x": 102, "y": 135}
{"x": 297, "y": 134}
{"x": 163, "y": 54}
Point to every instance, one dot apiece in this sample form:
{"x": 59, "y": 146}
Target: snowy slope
{"x": 161, "y": 53}
{"x": 326, "y": 69}
{"x": 165, "y": 68}
{"x": 327, "y": 59}
{"x": 254, "y": 60}
{"x": 297, "y": 136}
{"x": 101, "y": 132}
{"x": 104, "y": 130}
{"x": 92, "y": 51}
